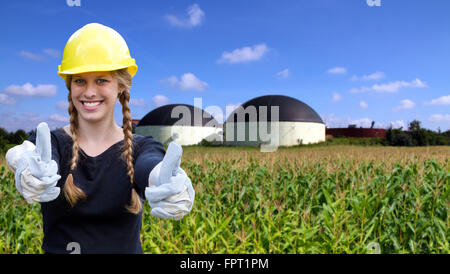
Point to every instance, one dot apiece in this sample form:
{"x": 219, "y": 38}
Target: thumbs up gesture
{"x": 170, "y": 192}
{"x": 35, "y": 171}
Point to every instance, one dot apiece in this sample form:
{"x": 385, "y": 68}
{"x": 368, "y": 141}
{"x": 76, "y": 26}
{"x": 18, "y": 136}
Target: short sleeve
{"x": 150, "y": 153}
{"x": 56, "y": 155}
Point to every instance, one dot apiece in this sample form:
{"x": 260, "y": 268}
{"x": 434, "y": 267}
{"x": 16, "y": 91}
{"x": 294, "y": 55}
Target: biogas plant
{"x": 275, "y": 120}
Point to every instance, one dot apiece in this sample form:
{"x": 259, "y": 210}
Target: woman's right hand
{"x": 36, "y": 174}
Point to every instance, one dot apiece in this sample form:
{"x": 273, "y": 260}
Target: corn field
{"x": 337, "y": 199}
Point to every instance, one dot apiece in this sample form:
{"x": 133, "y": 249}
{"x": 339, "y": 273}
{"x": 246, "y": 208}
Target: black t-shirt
{"x": 100, "y": 223}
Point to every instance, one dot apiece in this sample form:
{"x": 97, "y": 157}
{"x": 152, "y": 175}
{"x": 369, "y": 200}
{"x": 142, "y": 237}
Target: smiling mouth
{"x": 91, "y": 103}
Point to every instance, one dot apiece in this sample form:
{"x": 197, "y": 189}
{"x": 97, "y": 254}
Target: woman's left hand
{"x": 170, "y": 193}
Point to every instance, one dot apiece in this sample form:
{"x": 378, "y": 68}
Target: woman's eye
{"x": 101, "y": 81}
{"x": 79, "y": 81}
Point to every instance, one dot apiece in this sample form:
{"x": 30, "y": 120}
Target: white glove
{"x": 35, "y": 173}
{"x": 13, "y": 154}
{"x": 170, "y": 192}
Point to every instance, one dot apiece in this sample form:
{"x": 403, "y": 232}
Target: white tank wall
{"x": 290, "y": 133}
{"x": 187, "y": 135}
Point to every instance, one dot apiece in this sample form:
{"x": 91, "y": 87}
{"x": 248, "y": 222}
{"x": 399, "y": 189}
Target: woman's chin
{"x": 91, "y": 117}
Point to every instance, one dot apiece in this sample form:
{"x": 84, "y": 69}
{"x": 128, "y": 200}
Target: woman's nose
{"x": 91, "y": 90}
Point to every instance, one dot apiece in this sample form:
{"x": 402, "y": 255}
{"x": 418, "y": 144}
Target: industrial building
{"x": 297, "y": 123}
{"x": 186, "y": 124}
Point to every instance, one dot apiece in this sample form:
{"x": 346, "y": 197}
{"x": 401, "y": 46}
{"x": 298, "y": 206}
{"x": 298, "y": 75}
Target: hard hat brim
{"x": 132, "y": 69}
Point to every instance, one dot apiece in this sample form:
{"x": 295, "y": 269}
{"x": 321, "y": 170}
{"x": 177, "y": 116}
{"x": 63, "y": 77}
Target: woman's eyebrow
{"x": 97, "y": 76}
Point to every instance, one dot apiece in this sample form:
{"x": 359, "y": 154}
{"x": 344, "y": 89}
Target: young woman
{"x": 92, "y": 176}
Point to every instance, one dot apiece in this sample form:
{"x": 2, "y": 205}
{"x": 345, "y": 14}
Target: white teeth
{"x": 91, "y": 104}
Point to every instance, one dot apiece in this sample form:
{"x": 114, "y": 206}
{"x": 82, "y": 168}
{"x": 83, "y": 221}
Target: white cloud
{"x": 32, "y": 116}
{"x": 12, "y": 121}
{"x": 5, "y": 99}
{"x": 138, "y": 102}
{"x": 417, "y": 83}
{"x": 354, "y": 78}
{"x": 405, "y": 104}
{"x": 333, "y": 121}
{"x": 395, "y": 86}
{"x": 398, "y": 124}
{"x": 172, "y": 81}
{"x": 439, "y": 118}
{"x": 53, "y": 53}
{"x": 59, "y": 118}
{"x": 364, "y": 122}
{"x": 159, "y": 100}
{"x": 336, "y": 97}
{"x": 444, "y": 100}
{"x": 31, "y": 56}
{"x": 62, "y": 105}
{"x": 390, "y": 87}
{"x": 359, "y": 90}
{"x": 28, "y": 90}
{"x": 245, "y": 54}
{"x": 188, "y": 81}
{"x": 337, "y": 70}
{"x": 283, "y": 74}
{"x": 363, "y": 105}
{"x": 195, "y": 18}
{"x": 374, "y": 76}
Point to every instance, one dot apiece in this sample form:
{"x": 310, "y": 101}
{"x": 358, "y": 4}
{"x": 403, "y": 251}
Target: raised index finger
{"x": 170, "y": 162}
{"x": 43, "y": 142}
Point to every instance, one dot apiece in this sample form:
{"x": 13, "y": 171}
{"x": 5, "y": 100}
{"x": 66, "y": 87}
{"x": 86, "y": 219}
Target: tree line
{"x": 415, "y": 135}
{"x": 8, "y": 139}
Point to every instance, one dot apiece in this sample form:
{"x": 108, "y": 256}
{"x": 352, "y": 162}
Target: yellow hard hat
{"x": 96, "y": 47}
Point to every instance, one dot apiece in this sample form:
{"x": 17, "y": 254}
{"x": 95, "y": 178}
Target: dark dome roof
{"x": 162, "y": 116}
{"x": 290, "y": 109}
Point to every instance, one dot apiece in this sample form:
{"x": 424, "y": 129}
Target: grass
{"x": 324, "y": 199}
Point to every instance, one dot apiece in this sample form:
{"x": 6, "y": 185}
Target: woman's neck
{"x": 99, "y": 133}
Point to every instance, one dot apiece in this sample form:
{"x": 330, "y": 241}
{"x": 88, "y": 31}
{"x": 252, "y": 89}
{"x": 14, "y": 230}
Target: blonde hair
{"x": 71, "y": 191}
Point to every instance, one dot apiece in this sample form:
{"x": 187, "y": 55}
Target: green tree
{"x": 420, "y": 136}
{"x": 18, "y": 137}
{"x": 3, "y": 143}
{"x": 397, "y": 137}
{"x": 3, "y": 133}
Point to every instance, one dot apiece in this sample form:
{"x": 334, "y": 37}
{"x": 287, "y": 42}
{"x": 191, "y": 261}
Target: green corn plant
{"x": 340, "y": 199}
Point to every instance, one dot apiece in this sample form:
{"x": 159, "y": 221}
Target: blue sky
{"x": 352, "y": 63}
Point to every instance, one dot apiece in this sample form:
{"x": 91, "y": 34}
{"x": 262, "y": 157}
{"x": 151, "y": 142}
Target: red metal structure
{"x": 356, "y": 132}
{"x": 134, "y": 122}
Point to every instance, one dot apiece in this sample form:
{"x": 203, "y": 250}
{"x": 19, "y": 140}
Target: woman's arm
{"x": 149, "y": 153}
{"x": 169, "y": 190}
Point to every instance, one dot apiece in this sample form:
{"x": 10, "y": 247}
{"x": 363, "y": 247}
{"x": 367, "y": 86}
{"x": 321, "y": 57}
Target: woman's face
{"x": 94, "y": 95}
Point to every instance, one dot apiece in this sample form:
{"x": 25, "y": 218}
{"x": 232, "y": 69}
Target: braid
{"x": 135, "y": 203}
{"x": 71, "y": 191}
